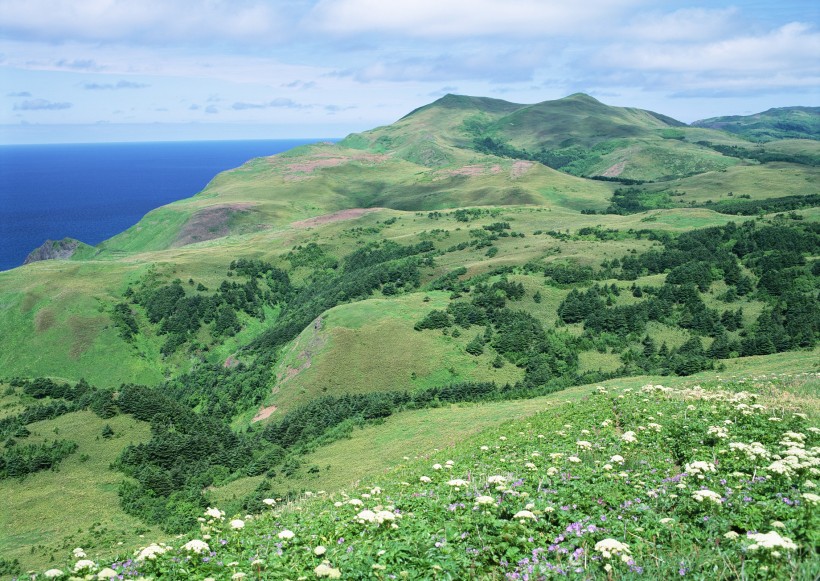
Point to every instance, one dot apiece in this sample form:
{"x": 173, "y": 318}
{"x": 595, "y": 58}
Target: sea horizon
{"x": 93, "y": 191}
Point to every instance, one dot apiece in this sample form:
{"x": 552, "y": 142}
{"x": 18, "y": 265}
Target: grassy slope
{"x": 374, "y": 457}
{"x": 49, "y": 513}
{"x": 777, "y": 123}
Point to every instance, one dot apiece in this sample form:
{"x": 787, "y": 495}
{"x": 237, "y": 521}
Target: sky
{"x": 143, "y": 70}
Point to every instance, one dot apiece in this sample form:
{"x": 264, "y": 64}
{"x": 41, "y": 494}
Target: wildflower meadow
{"x": 713, "y": 481}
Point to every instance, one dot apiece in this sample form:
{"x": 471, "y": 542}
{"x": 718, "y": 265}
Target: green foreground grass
{"x": 616, "y": 481}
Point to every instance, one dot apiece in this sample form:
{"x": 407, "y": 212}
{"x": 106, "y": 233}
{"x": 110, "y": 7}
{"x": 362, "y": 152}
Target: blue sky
{"x": 125, "y": 70}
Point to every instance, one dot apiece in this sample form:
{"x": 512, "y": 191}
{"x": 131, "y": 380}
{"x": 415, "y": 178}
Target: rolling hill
{"x": 441, "y": 272}
{"x": 773, "y": 124}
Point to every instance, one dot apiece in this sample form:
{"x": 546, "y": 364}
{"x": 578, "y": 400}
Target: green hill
{"x": 773, "y": 124}
{"x": 423, "y": 279}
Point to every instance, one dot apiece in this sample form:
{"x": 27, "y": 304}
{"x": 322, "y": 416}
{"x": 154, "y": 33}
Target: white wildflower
{"x": 496, "y": 479}
{"x": 457, "y": 482}
{"x": 617, "y": 458}
{"x": 629, "y": 437}
{"x": 269, "y": 501}
{"x": 52, "y": 573}
{"x": 609, "y": 547}
{"x": 196, "y": 546}
{"x": 325, "y": 570}
{"x": 237, "y": 524}
{"x": 484, "y": 500}
{"x": 771, "y": 541}
{"x": 701, "y": 495}
{"x": 522, "y": 514}
{"x": 286, "y": 535}
{"x": 214, "y": 513}
{"x": 84, "y": 564}
{"x": 811, "y": 498}
{"x": 731, "y": 535}
{"x": 78, "y": 553}
{"x": 150, "y": 552}
{"x": 425, "y": 479}
{"x": 436, "y": 466}
{"x": 355, "y": 502}
{"x": 319, "y": 551}
{"x": 584, "y": 445}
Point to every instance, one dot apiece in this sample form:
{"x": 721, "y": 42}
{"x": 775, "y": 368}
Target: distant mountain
{"x": 777, "y": 123}
{"x": 577, "y": 134}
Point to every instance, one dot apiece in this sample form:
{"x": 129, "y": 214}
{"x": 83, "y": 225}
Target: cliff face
{"x": 53, "y": 249}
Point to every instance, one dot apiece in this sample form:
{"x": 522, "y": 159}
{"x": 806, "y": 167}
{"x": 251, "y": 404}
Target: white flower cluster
{"x": 629, "y": 437}
{"x": 325, "y": 570}
{"x": 150, "y": 552}
{"x": 524, "y": 514}
{"x": 771, "y": 541}
{"x": 753, "y": 451}
{"x": 718, "y": 432}
{"x": 196, "y": 546}
{"x": 705, "y": 494}
{"x": 610, "y": 547}
{"x": 368, "y": 516}
{"x": 795, "y": 458}
{"x": 699, "y": 468}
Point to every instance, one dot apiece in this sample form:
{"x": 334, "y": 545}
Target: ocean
{"x": 93, "y": 191}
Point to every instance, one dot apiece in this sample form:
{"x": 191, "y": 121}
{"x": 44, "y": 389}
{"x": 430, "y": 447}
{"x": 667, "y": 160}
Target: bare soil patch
{"x": 615, "y": 170}
{"x": 84, "y": 331}
{"x": 264, "y": 413}
{"x": 520, "y": 167}
{"x": 29, "y": 300}
{"x": 334, "y": 217}
{"x": 306, "y": 167}
{"x": 44, "y": 320}
{"x": 209, "y": 223}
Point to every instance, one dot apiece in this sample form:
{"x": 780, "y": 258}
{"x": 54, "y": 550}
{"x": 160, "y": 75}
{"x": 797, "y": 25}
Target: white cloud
{"x": 686, "y": 24}
{"x": 466, "y": 18}
{"x": 794, "y": 46}
{"x": 114, "y": 86}
{"x": 40, "y": 105}
{"x": 159, "y": 21}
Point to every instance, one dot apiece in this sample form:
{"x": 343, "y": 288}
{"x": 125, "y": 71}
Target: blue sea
{"x": 93, "y": 191}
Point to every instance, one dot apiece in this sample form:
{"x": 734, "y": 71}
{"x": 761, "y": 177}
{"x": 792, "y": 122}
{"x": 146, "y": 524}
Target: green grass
{"x": 382, "y": 464}
{"x": 371, "y": 346}
{"x": 47, "y": 514}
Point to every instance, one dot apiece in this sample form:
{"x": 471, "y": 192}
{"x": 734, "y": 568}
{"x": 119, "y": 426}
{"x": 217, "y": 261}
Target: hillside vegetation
{"x": 312, "y": 318}
{"x": 777, "y": 123}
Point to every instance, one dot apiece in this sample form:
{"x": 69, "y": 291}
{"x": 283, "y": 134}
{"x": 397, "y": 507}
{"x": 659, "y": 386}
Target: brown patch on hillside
{"x": 306, "y": 166}
{"x": 615, "y": 170}
{"x": 474, "y": 170}
{"x": 44, "y": 320}
{"x": 84, "y": 331}
{"x": 29, "y": 300}
{"x": 305, "y": 357}
{"x": 209, "y": 223}
{"x": 334, "y": 217}
{"x": 264, "y": 413}
{"x": 519, "y": 168}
